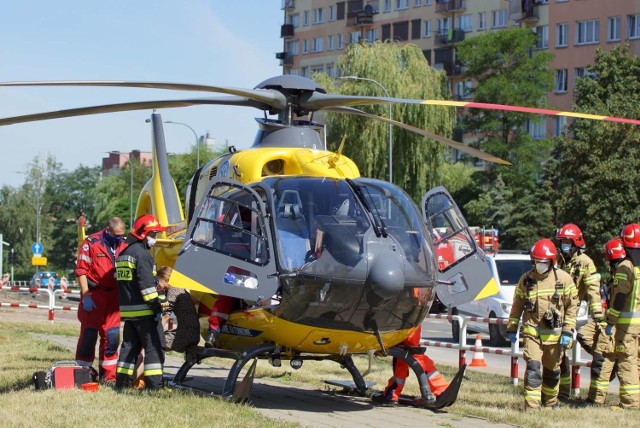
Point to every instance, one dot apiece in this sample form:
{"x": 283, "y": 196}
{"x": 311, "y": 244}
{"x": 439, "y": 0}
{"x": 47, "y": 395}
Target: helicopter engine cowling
{"x": 386, "y": 278}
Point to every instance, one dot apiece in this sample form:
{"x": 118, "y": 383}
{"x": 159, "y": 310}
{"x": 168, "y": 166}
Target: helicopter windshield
{"x": 313, "y": 214}
{"x": 398, "y": 217}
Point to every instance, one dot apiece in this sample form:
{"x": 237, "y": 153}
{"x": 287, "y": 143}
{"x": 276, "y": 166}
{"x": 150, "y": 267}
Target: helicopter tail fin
{"x": 159, "y": 195}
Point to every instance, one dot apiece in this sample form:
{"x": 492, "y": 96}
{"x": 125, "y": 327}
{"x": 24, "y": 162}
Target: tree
{"x": 403, "y": 71}
{"x": 596, "y": 173}
{"x": 506, "y": 71}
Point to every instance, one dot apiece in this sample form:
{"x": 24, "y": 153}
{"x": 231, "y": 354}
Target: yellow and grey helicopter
{"x": 327, "y": 264}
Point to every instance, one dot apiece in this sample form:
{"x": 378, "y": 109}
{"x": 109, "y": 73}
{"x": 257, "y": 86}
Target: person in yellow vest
{"x": 576, "y": 263}
{"x": 547, "y": 300}
{"x": 624, "y": 315}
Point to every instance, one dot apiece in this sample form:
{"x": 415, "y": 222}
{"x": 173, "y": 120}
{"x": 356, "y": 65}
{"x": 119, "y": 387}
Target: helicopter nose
{"x": 386, "y": 276}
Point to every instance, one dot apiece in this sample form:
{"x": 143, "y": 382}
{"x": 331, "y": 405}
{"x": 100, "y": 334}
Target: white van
{"x": 507, "y": 268}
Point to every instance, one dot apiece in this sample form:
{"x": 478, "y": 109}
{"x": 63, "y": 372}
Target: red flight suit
{"x": 437, "y": 382}
{"x": 97, "y": 261}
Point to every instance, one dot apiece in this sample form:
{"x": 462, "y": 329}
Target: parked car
{"x": 43, "y": 278}
{"x": 507, "y": 268}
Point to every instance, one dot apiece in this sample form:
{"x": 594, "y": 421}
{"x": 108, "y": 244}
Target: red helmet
{"x": 573, "y": 232}
{"x": 613, "y": 250}
{"x": 544, "y": 249}
{"x": 631, "y": 236}
{"x": 145, "y": 224}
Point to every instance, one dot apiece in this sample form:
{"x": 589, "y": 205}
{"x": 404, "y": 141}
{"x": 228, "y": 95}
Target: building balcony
{"x": 450, "y": 6}
{"x": 287, "y": 31}
{"x": 288, "y": 4}
{"x": 453, "y": 69}
{"x": 449, "y": 36}
{"x": 360, "y": 17}
{"x": 526, "y": 12}
{"x": 285, "y": 58}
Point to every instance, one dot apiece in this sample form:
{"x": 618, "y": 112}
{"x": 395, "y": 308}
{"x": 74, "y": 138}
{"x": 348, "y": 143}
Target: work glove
{"x": 608, "y": 330}
{"x": 87, "y": 303}
{"x": 513, "y": 337}
{"x": 565, "y": 339}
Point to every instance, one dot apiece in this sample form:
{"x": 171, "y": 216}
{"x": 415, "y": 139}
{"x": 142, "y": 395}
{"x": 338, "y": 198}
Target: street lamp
{"x": 195, "y": 135}
{"x": 366, "y": 79}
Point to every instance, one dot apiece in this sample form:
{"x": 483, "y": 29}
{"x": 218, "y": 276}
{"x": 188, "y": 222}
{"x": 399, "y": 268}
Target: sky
{"x": 211, "y": 42}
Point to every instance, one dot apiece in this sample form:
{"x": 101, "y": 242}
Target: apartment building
{"x": 316, "y": 32}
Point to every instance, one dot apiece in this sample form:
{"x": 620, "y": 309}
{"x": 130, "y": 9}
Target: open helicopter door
{"x": 228, "y": 248}
{"x": 463, "y": 273}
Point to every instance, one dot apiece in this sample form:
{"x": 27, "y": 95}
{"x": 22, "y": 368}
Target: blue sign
{"x": 37, "y": 248}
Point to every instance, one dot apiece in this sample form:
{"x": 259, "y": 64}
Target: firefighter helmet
{"x": 572, "y": 232}
{"x": 144, "y": 225}
{"x": 613, "y": 250}
{"x": 544, "y": 250}
{"x": 631, "y": 236}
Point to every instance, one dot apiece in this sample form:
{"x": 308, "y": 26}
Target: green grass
{"x": 22, "y": 406}
{"x": 483, "y": 395}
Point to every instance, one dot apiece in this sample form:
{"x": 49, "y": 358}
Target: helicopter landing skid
{"x": 236, "y": 394}
{"x": 447, "y": 398}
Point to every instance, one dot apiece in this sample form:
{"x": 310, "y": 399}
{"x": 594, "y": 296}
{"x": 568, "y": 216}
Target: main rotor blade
{"x": 270, "y": 97}
{"x": 449, "y": 142}
{"x": 319, "y": 101}
{"x": 141, "y": 105}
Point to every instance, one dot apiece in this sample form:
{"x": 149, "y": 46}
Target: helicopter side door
{"x": 463, "y": 274}
{"x": 228, "y": 248}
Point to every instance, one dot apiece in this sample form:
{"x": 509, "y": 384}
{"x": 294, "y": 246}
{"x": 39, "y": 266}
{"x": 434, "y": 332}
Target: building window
{"x": 428, "y": 2}
{"x": 305, "y": 18}
{"x": 587, "y": 32}
{"x": 340, "y": 41}
{"x": 332, "y": 13}
{"x": 330, "y": 70}
{"x": 538, "y": 131}
{"x": 317, "y": 69}
{"x": 582, "y": 72}
{"x": 318, "y": 44}
{"x": 499, "y": 18}
{"x": 318, "y": 16}
{"x": 293, "y": 47}
{"x": 561, "y": 82}
{"x": 613, "y": 29}
{"x": 354, "y": 37}
{"x": 426, "y": 28}
{"x": 542, "y": 42}
{"x": 305, "y": 46}
{"x": 387, "y": 6}
{"x": 562, "y": 35}
{"x": 330, "y": 42}
{"x": 294, "y": 20}
{"x": 465, "y": 23}
{"x": 417, "y": 3}
{"x": 304, "y": 72}
{"x": 559, "y": 123}
{"x": 463, "y": 90}
{"x": 482, "y": 21}
{"x": 443, "y": 26}
{"x": 402, "y": 4}
{"x": 372, "y": 35}
{"x": 633, "y": 26}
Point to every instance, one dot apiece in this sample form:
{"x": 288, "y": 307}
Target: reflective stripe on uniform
{"x": 398, "y": 380}
{"x": 149, "y": 294}
{"x": 629, "y": 389}
{"x": 153, "y": 369}
{"x": 600, "y": 385}
{"x": 84, "y": 258}
{"x": 543, "y": 334}
{"x": 629, "y": 318}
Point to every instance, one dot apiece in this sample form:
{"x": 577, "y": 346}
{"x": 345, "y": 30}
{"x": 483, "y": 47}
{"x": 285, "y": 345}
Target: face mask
{"x": 112, "y": 240}
{"x": 150, "y": 242}
{"x": 542, "y": 268}
{"x": 565, "y": 248}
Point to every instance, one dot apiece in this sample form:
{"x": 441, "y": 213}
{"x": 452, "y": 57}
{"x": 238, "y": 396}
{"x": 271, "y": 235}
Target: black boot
{"x": 212, "y": 337}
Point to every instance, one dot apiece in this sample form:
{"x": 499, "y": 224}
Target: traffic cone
{"x": 478, "y": 356}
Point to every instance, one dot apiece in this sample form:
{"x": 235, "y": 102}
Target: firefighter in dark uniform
{"x": 576, "y": 263}
{"x": 140, "y": 307}
{"x": 624, "y": 315}
{"x": 547, "y": 299}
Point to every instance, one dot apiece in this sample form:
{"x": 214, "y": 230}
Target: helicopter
{"x": 327, "y": 264}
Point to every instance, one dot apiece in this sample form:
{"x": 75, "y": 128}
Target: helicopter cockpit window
{"x": 453, "y": 241}
{"x": 229, "y": 222}
{"x": 315, "y": 217}
{"x": 399, "y": 219}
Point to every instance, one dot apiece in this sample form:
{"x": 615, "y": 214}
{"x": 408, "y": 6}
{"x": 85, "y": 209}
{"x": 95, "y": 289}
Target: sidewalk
{"x": 307, "y": 406}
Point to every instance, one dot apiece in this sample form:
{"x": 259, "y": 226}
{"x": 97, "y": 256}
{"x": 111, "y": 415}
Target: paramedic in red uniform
{"x": 99, "y": 311}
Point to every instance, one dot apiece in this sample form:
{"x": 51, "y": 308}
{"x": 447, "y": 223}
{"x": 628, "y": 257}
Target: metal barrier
{"x": 51, "y": 307}
{"x": 514, "y": 352}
